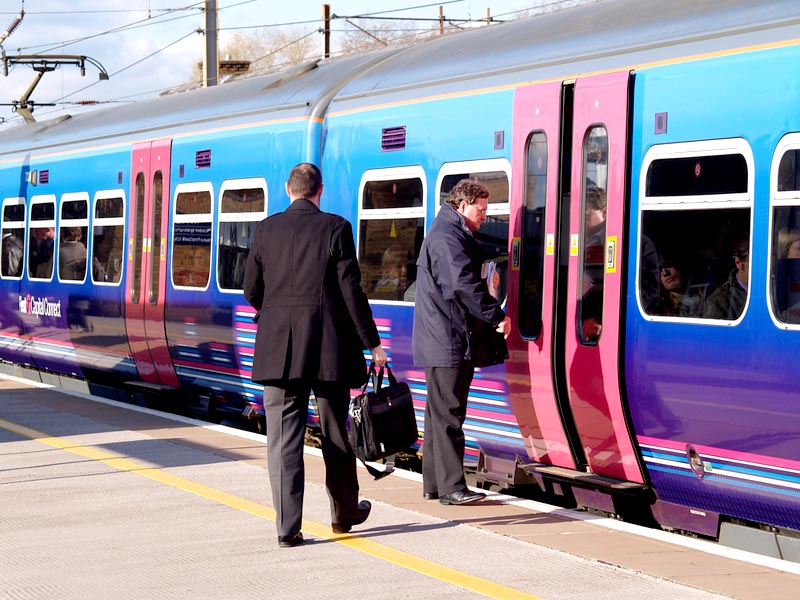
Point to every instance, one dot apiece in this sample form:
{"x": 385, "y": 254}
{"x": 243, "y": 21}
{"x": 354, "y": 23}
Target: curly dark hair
{"x": 467, "y": 191}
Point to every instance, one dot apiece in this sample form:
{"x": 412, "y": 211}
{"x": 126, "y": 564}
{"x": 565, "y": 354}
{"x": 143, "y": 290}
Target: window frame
{"x": 183, "y": 188}
{"x": 96, "y": 221}
{"x": 16, "y": 201}
{"x": 376, "y": 214}
{"x": 483, "y": 165}
{"x": 697, "y": 202}
{"x": 779, "y": 199}
{"x": 72, "y": 197}
{"x": 228, "y": 184}
{"x": 41, "y": 199}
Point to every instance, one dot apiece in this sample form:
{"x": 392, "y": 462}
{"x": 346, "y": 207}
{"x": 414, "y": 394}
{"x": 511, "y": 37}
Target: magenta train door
{"x": 147, "y": 251}
{"x": 594, "y": 288}
{"x": 534, "y": 216}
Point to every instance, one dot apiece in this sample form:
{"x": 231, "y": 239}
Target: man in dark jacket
{"x": 314, "y": 322}
{"x": 449, "y": 293}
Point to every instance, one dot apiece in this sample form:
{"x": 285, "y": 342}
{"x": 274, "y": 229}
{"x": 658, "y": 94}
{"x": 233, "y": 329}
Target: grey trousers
{"x": 445, "y": 411}
{"x": 286, "y": 407}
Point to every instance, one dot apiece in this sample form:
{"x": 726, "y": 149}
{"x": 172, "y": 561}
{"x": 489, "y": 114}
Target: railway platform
{"x": 100, "y": 499}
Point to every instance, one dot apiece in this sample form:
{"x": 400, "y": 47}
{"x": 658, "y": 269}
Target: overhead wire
{"x": 159, "y": 19}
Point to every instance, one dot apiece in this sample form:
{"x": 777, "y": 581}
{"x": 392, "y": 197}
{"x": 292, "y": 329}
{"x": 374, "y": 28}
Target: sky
{"x": 147, "y": 46}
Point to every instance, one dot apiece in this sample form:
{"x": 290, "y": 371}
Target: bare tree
{"x": 363, "y": 35}
{"x": 267, "y": 50}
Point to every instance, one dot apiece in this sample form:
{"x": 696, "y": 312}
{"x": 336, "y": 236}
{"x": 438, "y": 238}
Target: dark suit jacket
{"x": 314, "y": 320}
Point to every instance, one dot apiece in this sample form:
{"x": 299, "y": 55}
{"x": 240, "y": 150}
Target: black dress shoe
{"x": 464, "y": 496}
{"x": 430, "y": 495}
{"x": 361, "y": 515}
{"x": 290, "y": 541}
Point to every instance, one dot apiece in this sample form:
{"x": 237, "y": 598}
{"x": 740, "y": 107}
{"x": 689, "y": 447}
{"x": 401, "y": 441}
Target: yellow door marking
{"x": 398, "y": 557}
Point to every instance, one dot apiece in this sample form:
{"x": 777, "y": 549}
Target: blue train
{"x": 643, "y": 159}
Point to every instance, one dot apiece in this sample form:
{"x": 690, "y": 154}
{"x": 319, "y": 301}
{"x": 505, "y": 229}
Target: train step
{"x": 583, "y": 479}
{"x": 150, "y": 387}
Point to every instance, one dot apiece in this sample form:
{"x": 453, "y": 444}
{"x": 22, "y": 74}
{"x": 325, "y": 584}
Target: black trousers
{"x": 286, "y": 407}
{"x": 445, "y": 411}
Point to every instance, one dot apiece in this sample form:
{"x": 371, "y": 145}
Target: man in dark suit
{"x": 314, "y": 322}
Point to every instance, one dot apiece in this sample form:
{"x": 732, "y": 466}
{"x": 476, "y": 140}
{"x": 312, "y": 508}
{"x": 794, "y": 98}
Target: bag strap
{"x": 387, "y": 470}
{"x": 378, "y": 381}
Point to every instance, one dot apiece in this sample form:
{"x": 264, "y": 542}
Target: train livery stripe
{"x": 751, "y": 473}
{"x": 380, "y": 551}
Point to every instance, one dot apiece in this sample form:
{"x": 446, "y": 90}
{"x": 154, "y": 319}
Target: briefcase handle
{"x": 377, "y": 377}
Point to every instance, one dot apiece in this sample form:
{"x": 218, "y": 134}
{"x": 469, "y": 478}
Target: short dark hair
{"x": 467, "y": 191}
{"x": 305, "y": 180}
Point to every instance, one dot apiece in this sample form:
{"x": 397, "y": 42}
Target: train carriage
{"x": 641, "y": 158}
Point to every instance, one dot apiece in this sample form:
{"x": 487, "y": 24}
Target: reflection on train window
{"x": 42, "y": 238}
{"x": 786, "y": 264}
{"x": 593, "y": 236}
{"x": 241, "y": 209}
{"x": 533, "y": 234}
{"x": 191, "y": 239}
{"x": 694, "y": 252}
{"x": 493, "y": 234}
{"x": 108, "y": 237}
{"x": 156, "y": 248}
{"x": 13, "y": 227}
{"x": 785, "y": 243}
{"x": 392, "y": 223}
{"x": 138, "y": 236}
{"x": 73, "y": 229}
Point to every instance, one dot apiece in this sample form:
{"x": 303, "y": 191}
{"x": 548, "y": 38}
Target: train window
{"x": 42, "y": 236}
{"x": 191, "y": 236}
{"x": 243, "y": 205}
{"x": 157, "y": 248}
{"x": 392, "y": 224}
{"x": 493, "y": 234}
{"x": 73, "y": 230}
{"x": 138, "y": 236}
{"x": 694, "y": 247}
{"x": 533, "y": 248}
{"x": 108, "y": 237}
{"x": 13, "y": 226}
{"x": 593, "y": 236}
{"x": 785, "y": 234}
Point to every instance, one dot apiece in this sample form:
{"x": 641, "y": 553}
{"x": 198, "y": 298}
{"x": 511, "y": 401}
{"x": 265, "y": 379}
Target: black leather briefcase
{"x": 382, "y": 421}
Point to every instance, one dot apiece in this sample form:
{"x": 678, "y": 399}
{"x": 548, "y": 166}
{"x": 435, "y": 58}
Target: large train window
{"x": 532, "y": 255}
{"x": 42, "y": 237}
{"x": 695, "y": 224}
{"x": 785, "y": 233}
{"x": 243, "y": 204}
{"x": 593, "y": 235}
{"x": 108, "y": 237}
{"x": 493, "y": 234}
{"x": 73, "y": 232}
{"x": 191, "y": 236}
{"x": 13, "y": 226}
{"x": 391, "y": 226}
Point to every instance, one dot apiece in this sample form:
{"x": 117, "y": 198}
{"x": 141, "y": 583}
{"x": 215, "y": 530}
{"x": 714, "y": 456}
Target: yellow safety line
{"x": 398, "y": 557}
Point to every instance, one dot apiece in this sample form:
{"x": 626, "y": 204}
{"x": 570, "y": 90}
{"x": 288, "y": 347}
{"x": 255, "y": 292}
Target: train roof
{"x": 605, "y": 35}
{"x": 295, "y": 93}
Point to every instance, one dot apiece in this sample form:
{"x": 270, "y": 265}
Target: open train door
{"x": 534, "y": 223}
{"x": 595, "y": 277}
{"x": 146, "y": 273}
